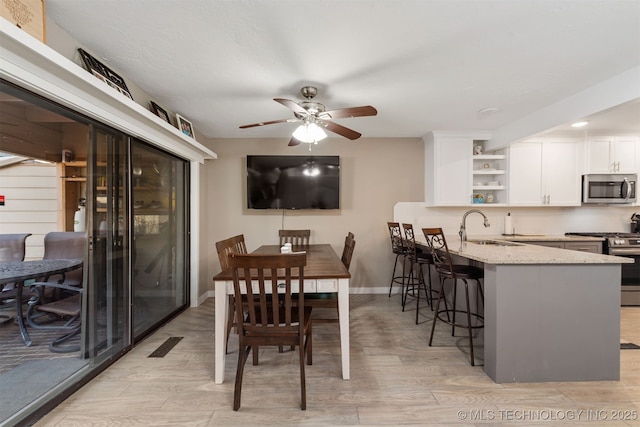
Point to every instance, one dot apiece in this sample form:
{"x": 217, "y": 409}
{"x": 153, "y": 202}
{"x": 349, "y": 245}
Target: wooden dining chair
{"x": 347, "y": 251}
{"x": 271, "y": 321}
{"x": 298, "y": 238}
{"x": 232, "y": 245}
{"x": 330, "y": 300}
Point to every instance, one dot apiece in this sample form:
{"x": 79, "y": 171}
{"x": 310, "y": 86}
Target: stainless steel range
{"x": 626, "y": 245}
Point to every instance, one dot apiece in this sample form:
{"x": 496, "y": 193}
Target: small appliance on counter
{"x": 635, "y": 223}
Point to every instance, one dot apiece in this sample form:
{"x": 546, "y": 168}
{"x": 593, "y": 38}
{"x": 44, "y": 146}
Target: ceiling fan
{"x": 315, "y": 117}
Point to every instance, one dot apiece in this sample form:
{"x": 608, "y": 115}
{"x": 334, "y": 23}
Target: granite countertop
{"x": 522, "y": 253}
{"x": 543, "y": 238}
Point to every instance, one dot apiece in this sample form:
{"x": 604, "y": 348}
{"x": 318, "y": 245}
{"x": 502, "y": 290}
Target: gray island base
{"x": 550, "y": 314}
{"x": 552, "y": 322}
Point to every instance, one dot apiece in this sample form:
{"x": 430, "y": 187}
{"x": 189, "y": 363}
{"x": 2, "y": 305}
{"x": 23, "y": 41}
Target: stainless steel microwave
{"x": 618, "y": 188}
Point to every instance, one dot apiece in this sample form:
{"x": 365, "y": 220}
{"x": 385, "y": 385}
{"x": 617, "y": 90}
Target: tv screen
{"x": 293, "y": 182}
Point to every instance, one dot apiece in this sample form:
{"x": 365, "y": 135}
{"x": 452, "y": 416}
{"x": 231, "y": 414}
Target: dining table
{"x": 19, "y": 272}
{"x": 323, "y": 273}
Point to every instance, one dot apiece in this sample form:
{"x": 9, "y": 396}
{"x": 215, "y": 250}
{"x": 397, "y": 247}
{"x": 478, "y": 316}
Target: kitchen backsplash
{"x": 547, "y": 220}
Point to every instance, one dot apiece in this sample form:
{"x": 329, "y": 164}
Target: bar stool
{"x": 446, "y": 269}
{"x": 417, "y": 259}
{"x": 398, "y": 248}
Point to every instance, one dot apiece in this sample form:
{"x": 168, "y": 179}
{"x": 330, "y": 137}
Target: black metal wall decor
{"x": 104, "y": 73}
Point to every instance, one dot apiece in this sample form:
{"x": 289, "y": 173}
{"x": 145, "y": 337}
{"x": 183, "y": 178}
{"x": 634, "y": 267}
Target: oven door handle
{"x": 624, "y": 251}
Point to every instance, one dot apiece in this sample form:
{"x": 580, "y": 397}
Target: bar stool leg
{"x": 466, "y": 289}
{"x": 435, "y": 315}
{"x": 393, "y": 275}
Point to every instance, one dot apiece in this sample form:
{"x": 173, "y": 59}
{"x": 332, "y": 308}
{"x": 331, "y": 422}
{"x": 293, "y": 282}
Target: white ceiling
{"x": 424, "y": 64}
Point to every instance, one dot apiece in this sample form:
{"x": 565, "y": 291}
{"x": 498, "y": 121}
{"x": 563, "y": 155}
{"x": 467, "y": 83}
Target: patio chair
{"x": 12, "y": 248}
{"x": 58, "y": 298}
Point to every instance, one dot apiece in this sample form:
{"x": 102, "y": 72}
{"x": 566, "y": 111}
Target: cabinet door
{"x": 452, "y": 181}
{"x": 625, "y": 154}
{"x": 525, "y": 174}
{"x": 561, "y": 186}
{"x": 599, "y": 155}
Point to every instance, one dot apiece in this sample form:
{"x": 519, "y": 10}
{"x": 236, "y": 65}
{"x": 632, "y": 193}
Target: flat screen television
{"x": 293, "y": 182}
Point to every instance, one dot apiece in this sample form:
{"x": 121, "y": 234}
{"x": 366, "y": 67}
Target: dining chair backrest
{"x": 66, "y": 245}
{"x": 439, "y": 251}
{"x": 395, "y": 233}
{"x": 347, "y": 252}
{"x": 298, "y": 238}
{"x": 232, "y": 245}
{"x": 271, "y": 321}
{"x": 12, "y": 246}
{"x": 262, "y": 276}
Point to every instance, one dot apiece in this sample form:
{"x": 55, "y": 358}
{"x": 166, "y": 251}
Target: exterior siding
{"x": 31, "y": 205}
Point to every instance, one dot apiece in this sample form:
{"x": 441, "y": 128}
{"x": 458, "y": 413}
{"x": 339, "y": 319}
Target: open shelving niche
{"x": 490, "y": 168}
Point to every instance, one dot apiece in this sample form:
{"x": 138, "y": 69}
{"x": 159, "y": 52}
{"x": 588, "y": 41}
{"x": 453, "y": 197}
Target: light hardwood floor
{"x": 396, "y": 379}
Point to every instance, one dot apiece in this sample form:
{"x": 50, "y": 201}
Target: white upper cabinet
{"x": 544, "y": 174}
{"x": 613, "y": 154}
{"x": 451, "y": 169}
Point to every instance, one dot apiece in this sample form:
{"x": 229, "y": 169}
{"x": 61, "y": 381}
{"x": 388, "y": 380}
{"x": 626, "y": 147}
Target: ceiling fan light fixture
{"x": 309, "y": 133}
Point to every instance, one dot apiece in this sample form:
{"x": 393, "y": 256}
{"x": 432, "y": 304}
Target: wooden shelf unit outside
{"x": 73, "y": 185}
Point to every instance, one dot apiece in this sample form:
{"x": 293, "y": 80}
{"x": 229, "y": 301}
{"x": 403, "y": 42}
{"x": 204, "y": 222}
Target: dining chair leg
{"x": 230, "y": 320}
{"x": 243, "y": 354}
{"x": 255, "y": 350}
{"x": 303, "y": 385}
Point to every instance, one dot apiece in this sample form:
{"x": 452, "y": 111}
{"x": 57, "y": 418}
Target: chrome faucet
{"x": 463, "y": 226}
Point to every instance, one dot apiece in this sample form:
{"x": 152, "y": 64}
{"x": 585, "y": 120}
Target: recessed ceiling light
{"x": 579, "y": 124}
{"x": 488, "y": 110}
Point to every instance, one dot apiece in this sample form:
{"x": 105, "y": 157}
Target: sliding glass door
{"x": 160, "y": 240}
{"x": 108, "y": 298}
{"x": 130, "y": 201}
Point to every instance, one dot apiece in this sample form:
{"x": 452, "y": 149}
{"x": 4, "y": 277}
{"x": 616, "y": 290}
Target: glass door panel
{"x": 160, "y": 241}
{"x": 108, "y": 296}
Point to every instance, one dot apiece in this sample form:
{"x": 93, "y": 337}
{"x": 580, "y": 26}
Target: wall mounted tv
{"x": 293, "y": 182}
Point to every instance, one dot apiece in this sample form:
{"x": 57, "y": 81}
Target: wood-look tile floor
{"x": 397, "y": 379}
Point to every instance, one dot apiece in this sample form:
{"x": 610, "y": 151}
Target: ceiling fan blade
{"x": 291, "y": 105}
{"x": 293, "y": 142}
{"x": 339, "y": 129}
{"x": 365, "y": 110}
{"x": 269, "y": 123}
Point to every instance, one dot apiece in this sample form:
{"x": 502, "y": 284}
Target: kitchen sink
{"x": 494, "y": 243}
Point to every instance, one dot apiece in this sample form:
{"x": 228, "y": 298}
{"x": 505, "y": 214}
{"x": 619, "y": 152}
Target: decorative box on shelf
{"x": 29, "y": 15}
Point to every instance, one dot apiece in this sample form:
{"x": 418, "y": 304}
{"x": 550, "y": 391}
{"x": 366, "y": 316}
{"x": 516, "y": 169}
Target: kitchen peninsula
{"x": 550, "y": 314}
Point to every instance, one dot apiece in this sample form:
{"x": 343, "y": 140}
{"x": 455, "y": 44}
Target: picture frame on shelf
{"x": 160, "y": 112}
{"x": 185, "y": 126}
{"x": 104, "y": 73}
